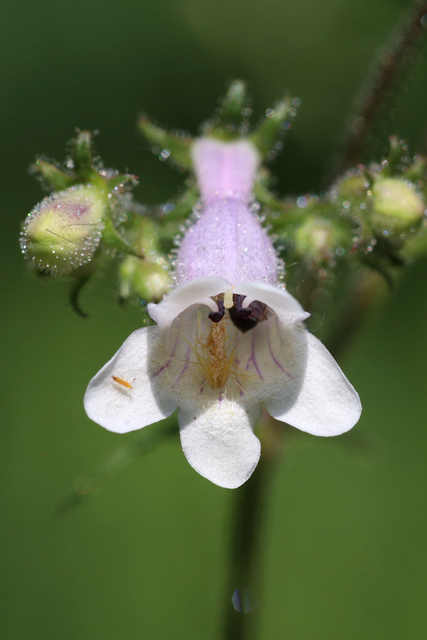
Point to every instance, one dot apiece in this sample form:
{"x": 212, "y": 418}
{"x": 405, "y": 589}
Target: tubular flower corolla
{"x": 228, "y": 339}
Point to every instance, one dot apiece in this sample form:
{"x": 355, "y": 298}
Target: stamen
{"x": 215, "y": 355}
{"x": 124, "y": 383}
{"x": 216, "y": 316}
{"x": 246, "y": 318}
{"x": 241, "y": 312}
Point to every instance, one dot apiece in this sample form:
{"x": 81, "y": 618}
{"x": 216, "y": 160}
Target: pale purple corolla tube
{"x": 227, "y": 240}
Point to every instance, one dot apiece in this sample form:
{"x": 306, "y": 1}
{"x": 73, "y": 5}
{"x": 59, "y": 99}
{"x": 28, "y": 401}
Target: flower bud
{"x": 396, "y": 204}
{"x": 62, "y": 232}
{"x": 320, "y": 240}
{"x": 145, "y": 279}
{"x": 351, "y": 191}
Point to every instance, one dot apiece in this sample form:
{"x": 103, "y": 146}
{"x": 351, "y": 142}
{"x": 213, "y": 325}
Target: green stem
{"x": 244, "y": 565}
{"x": 242, "y": 594}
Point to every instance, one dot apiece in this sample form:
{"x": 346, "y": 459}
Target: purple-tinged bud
{"x": 63, "y": 231}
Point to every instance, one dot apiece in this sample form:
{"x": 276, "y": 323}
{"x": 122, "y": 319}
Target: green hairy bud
{"x": 63, "y": 231}
{"x": 321, "y": 240}
{"x": 146, "y": 277}
{"x": 352, "y": 191}
{"x": 397, "y": 205}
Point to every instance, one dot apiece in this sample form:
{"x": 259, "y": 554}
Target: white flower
{"x": 228, "y": 340}
{"x": 219, "y": 377}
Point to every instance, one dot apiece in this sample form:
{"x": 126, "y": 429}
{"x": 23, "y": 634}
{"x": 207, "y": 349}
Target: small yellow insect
{"x": 124, "y": 383}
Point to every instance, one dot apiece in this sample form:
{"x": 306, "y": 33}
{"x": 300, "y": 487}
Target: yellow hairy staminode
{"x": 215, "y": 354}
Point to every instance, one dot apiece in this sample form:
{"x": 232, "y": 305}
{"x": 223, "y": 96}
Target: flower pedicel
{"x": 228, "y": 339}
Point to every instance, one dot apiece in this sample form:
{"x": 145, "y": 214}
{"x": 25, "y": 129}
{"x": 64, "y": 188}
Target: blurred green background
{"x": 345, "y": 541}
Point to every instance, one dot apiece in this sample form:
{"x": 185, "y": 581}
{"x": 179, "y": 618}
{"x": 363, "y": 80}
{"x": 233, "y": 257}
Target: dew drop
{"x": 167, "y": 208}
{"x": 242, "y": 600}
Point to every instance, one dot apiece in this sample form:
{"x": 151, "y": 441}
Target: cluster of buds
{"x": 388, "y": 199}
{"x": 89, "y": 217}
{"x": 368, "y": 215}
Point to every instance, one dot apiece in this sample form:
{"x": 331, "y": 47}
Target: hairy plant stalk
{"x": 378, "y": 89}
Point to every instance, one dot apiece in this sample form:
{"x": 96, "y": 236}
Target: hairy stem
{"x": 378, "y": 89}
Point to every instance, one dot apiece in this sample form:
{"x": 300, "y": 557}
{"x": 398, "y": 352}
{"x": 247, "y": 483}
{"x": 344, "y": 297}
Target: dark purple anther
{"x": 246, "y": 318}
{"x": 258, "y": 310}
{"x": 216, "y": 316}
{"x": 242, "y": 313}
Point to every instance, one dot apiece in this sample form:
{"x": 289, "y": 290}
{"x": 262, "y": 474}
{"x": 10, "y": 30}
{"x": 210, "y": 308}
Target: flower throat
{"x": 243, "y": 318}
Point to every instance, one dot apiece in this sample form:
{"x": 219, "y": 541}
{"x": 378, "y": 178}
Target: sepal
{"x": 231, "y": 119}
{"x": 276, "y": 122}
{"x": 52, "y": 175}
{"x": 167, "y": 145}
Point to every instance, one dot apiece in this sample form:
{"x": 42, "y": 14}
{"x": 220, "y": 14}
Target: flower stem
{"x": 379, "y": 87}
{"x": 242, "y": 594}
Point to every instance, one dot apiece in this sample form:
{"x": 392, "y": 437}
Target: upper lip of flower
{"x": 203, "y": 291}
{"x": 219, "y": 377}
